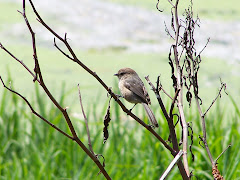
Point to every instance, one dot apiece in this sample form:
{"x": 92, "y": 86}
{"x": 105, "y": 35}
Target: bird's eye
{"x": 122, "y": 73}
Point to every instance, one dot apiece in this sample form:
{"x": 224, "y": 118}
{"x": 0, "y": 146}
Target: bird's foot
{"x": 151, "y": 126}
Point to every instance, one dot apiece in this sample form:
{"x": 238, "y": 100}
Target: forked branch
{"x": 37, "y": 75}
{"x": 94, "y": 74}
{"x": 34, "y": 112}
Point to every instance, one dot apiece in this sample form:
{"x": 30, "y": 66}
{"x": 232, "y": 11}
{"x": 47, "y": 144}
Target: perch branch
{"x": 170, "y": 125}
{"x": 63, "y": 110}
{"x": 94, "y": 74}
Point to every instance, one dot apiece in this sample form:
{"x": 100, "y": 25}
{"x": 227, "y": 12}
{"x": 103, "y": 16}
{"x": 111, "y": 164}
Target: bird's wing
{"x": 138, "y": 88}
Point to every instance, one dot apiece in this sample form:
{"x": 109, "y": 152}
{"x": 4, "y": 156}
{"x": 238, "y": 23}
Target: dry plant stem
{"x": 180, "y": 87}
{"x": 170, "y": 125}
{"x": 63, "y": 110}
{"x": 170, "y": 121}
{"x": 39, "y": 74}
{"x": 34, "y": 112}
{"x": 222, "y": 153}
{"x": 76, "y": 60}
{"x": 173, "y": 102}
{"x": 219, "y": 94}
{"x": 86, "y": 121}
{"x": 223, "y": 85}
{"x": 21, "y": 62}
{"x": 204, "y": 131}
{"x": 171, "y": 165}
{"x": 160, "y": 88}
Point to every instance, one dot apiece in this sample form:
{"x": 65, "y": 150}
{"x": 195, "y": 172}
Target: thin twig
{"x": 86, "y": 121}
{"x": 222, "y": 153}
{"x": 204, "y": 138}
{"x": 179, "y": 84}
{"x": 94, "y": 74}
{"x": 167, "y": 31}
{"x": 171, "y": 165}
{"x": 21, "y": 62}
{"x": 63, "y": 110}
{"x": 34, "y": 112}
{"x": 173, "y": 102}
{"x": 170, "y": 125}
{"x": 160, "y": 88}
{"x": 223, "y": 85}
{"x": 55, "y": 44}
{"x": 208, "y": 40}
{"x": 171, "y": 3}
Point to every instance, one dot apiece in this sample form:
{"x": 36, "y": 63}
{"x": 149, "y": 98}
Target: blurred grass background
{"x": 30, "y": 149}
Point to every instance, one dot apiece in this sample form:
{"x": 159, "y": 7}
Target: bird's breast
{"x": 128, "y": 94}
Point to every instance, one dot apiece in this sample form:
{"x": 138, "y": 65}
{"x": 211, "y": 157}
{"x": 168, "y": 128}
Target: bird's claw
{"x": 151, "y": 126}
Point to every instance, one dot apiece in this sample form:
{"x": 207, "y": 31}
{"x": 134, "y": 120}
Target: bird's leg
{"x": 132, "y": 108}
{"x": 118, "y": 95}
{"x": 151, "y": 126}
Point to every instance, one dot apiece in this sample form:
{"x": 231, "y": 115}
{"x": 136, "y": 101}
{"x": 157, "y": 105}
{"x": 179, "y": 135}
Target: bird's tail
{"x": 150, "y": 115}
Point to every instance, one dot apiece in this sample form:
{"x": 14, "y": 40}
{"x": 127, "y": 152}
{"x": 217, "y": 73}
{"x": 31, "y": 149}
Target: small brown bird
{"x": 134, "y": 91}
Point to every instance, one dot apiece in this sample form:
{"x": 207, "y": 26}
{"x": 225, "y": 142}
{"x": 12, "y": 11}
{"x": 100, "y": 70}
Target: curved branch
{"x": 63, "y": 110}
{"x": 34, "y": 112}
{"x": 94, "y": 74}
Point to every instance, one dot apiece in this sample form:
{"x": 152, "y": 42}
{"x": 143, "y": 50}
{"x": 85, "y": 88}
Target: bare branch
{"x": 223, "y": 86}
{"x": 180, "y": 87}
{"x": 160, "y": 88}
{"x": 208, "y": 40}
{"x": 94, "y": 74}
{"x": 167, "y": 31}
{"x": 86, "y": 121}
{"x": 21, "y": 62}
{"x": 204, "y": 138}
{"x": 173, "y": 102}
{"x": 171, "y": 3}
{"x": 222, "y": 153}
{"x": 170, "y": 125}
{"x": 171, "y": 165}
{"x": 34, "y": 112}
{"x": 55, "y": 44}
{"x": 63, "y": 110}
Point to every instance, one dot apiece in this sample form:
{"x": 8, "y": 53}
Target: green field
{"x": 30, "y": 149}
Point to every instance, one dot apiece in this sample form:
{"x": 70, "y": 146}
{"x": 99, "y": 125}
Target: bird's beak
{"x": 116, "y": 74}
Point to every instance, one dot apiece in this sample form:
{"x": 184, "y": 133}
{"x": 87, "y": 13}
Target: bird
{"x": 133, "y": 90}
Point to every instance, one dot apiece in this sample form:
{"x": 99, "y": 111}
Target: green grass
{"x": 30, "y": 149}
